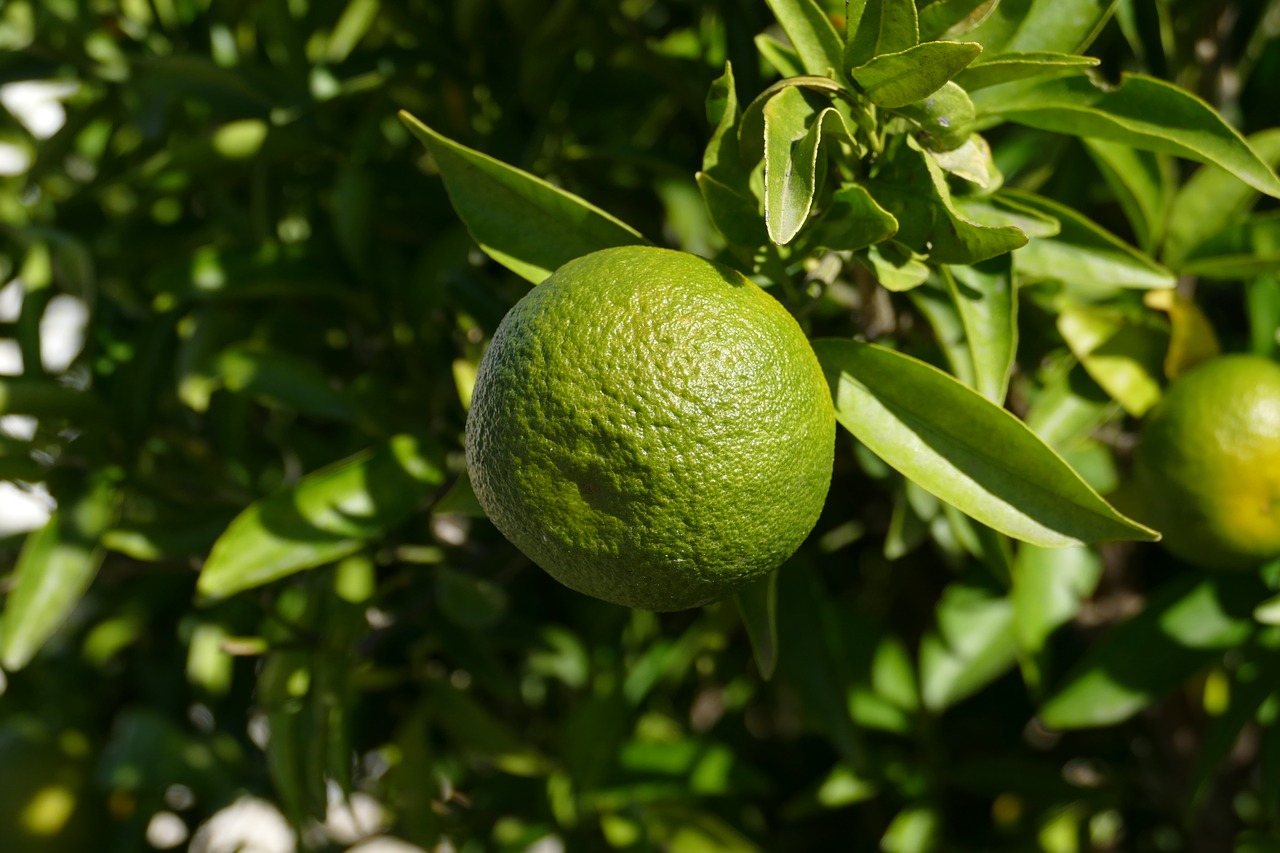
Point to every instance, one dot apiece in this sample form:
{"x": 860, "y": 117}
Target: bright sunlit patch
{"x": 62, "y": 332}
{"x": 35, "y": 103}
{"x": 13, "y": 160}
{"x": 23, "y": 510}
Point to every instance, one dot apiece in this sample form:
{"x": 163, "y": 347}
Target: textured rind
{"x": 651, "y": 429}
{"x": 1209, "y": 464}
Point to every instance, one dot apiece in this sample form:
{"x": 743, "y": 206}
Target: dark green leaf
{"x": 1142, "y": 183}
{"x": 281, "y": 379}
{"x": 521, "y": 221}
{"x": 1009, "y": 67}
{"x": 811, "y": 33}
{"x": 1182, "y": 631}
{"x": 875, "y": 27}
{"x": 1212, "y": 200}
{"x": 1048, "y": 588}
{"x": 1082, "y": 253}
{"x": 897, "y": 79}
{"x": 1249, "y": 249}
{"x": 964, "y": 449}
{"x": 950, "y": 18}
{"x": 721, "y": 159}
{"x": 853, "y": 221}
{"x": 1061, "y": 26}
{"x": 914, "y": 190}
{"x": 736, "y": 216}
{"x": 783, "y": 59}
{"x": 758, "y": 606}
{"x": 1142, "y": 111}
{"x": 327, "y": 515}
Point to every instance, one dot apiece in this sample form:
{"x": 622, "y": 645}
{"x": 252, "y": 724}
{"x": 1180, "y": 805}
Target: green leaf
{"x": 914, "y": 190}
{"x": 997, "y": 210}
{"x": 1123, "y": 352}
{"x": 970, "y": 646}
{"x": 1069, "y": 406}
{"x": 327, "y": 515}
{"x": 898, "y": 79}
{"x": 46, "y": 398}
{"x": 964, "y": 449}
{"x": 735, "y": 215}
{"x": 1184, "y": 628}
{"x": 946, "y": 18}
{"x": 946, "y": 118}
{"x": 521, "y": 221}
{"x": 1001, "y": 68}
{"x": 1142, "y": 111}
{"x": 875, "y": 27}
{"x": 281, "y": 379}
{"x": 811, "y": 33}
{"x": 985, "y": 296}
{"x": 1212, "y": 200}
{"x": 1061, "y": 26}
{"x": 721, "y": 158}
{"x": 55, "y": 569}
{"x": 1191, "y": 335}
{"x": 793, "y": 166}
{"x": 1249, "y": 249}
{"x": 894, "y": 266}
{"x": 972, "y": 161}
{"x": 1142, "y": 183}
{"x": 1082, "y": 253}
{"x": 853, "y": 221}
{"x": 783, "y": 59}
{"x": 758, "y": 606}
{"x": 1049, "y": 586}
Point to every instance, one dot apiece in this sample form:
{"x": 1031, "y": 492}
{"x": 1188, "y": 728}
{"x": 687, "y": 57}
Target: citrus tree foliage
{"x": 293, "y": 226}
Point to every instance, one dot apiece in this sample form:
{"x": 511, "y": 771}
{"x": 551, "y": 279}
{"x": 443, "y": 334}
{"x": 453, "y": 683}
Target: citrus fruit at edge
{"x": 651, "y": 428}
{"x": 1208, "y": 463}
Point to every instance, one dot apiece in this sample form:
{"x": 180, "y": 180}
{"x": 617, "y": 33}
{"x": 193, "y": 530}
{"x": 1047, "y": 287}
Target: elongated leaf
{"x": 326, "y": 516}
{"x": 964, "y": 449}
{"x": 952, "y": 18}
{"x": 811, "y": 33}
{"x": 1182, "y": 631}
{"x": 915, "y": 192}
{"x": 1082, "y": 253}
{"x": 783, "y": 59}
{"x": 45, "y": 398}
{"x": 1008, "y": 67}
{"x": 971, "y": 645}
{"x": 1212, "y": 200}
{"x": 1123, "y": 352}
{"x": 1142, "y": 183}
{"x": 985, "y": 297}
{"x": 934, "y": 300}
{"x": 1062, "y": 26}
{"x": 758, "y": 606}
{"x": 1001, "y": 209}
{"x": 55, "y": 569}
{"x": 1243, "y": 251}
{"x": 1069, "y": 406}
{"x": 898, "y": 79}
{"x": 281, "y": 380}
{"x": 721, "y": 159}
{"x": 734, "y": 214}
{"x": 853, "y": 221}
{"x": 1142, "y": 111}
{"x": 793, "y": 165}
{"x": 1048, "y": 588}
{"x": 878, "y": 27}
{"x": 521, "y": 221}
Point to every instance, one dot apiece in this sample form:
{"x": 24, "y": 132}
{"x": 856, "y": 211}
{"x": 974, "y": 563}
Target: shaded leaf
{"x": 1249, "y": 249}
{"x": 1182, "y": 631}
{"x": 894, "y": 266}
{"x": 521, "y": 221}
{"x": 327, "y": 515}
{"x": 1212, "y": 200}
{"x": 1142, "y": 183}
{"x": 951, "y": 18}
{"x": 964, "y": 449}
{"x": 1001, "y": 68}
{"x": 1142, "y": 111}
{"x": 783, "y": 59}
{"x": 853, "y": 221}
{"x": 914, "y": 190}
{"x": 735, "y": 215}
{"x": 898, "y": 79}
{"x": 1049, "y": 586}
{"x": 1062, "y": 26}
{"x": 1082, "y": 253}
{"x": 758, "y": 606}
{"x": 986, "y": 299}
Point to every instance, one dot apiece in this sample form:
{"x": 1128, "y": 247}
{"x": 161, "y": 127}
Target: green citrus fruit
{"x": 651, "y": 428}
{"x": 1208, "y": 464}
